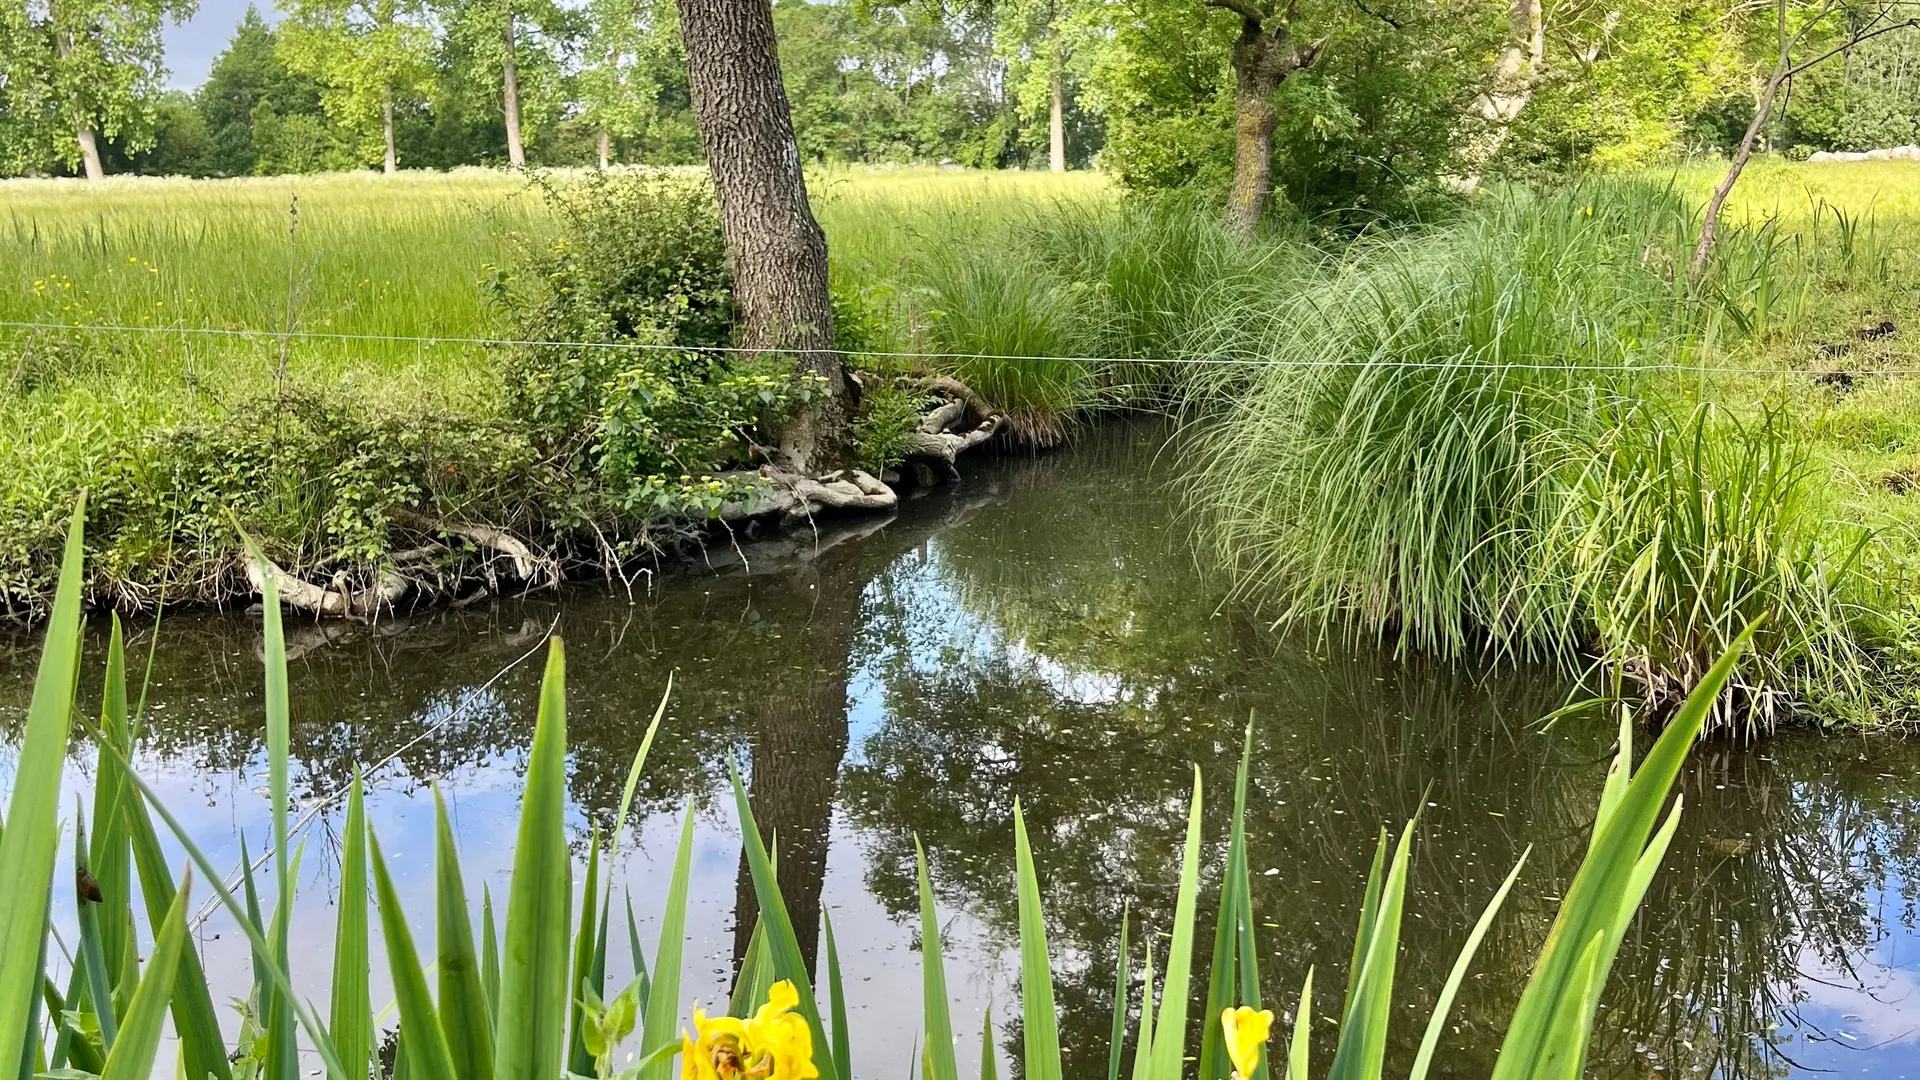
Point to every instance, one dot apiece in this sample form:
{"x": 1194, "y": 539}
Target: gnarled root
{"x": 388, "y": 588}
{"x": 528, "y": 566}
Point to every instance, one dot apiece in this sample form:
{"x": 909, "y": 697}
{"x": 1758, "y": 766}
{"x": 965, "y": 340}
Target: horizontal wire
{"x": 643, "y": 346}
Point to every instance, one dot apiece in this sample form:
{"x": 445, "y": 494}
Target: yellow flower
{"x": 773, "y": 1044}
{"x": 1246, "y": 1031}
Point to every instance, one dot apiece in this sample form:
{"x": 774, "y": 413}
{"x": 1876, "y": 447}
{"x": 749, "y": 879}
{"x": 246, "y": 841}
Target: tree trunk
{"x": 392, "y": 163}
{"x": 82, "y": 129}
{"x": 89, "y": 150}
{"x": 1515, "y": 72}
{"x": 776, "y": 249}
{"x": 606, "y": 149}
{"x": 1057, "y": 125}
{"x": 510, "y": 86}
{"x": 1262, "y": 60}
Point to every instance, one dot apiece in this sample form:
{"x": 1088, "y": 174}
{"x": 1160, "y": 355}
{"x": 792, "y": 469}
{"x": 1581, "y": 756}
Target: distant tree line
{"x": 1361, "y": 105}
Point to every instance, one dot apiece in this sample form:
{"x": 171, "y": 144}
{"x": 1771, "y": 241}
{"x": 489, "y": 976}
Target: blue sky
{"x": 192, "y": 45}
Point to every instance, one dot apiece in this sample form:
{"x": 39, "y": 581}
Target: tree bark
{"x": 775, "y": 248}
{"x": 1711, "y": 220}
{"x": 82, "y": 130}
{"x": 392, "y": 163}
{"x": 89, "y": 150}
{"x": 1263, "y": 57}
{"x": 606, "y": 149}
{"x": 1057, "y": 124}
{"x": 1515, "y": 72}
{"x": 510, "y": 87}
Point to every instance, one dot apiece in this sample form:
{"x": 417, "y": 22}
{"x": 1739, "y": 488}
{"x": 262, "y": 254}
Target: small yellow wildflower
{"x": 1246, "y": 1031}
{"x": 133, "y": 259}
{"x": 772, "y": 1044}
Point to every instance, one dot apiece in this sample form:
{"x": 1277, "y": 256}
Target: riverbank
{"x": 1598, "y": 464}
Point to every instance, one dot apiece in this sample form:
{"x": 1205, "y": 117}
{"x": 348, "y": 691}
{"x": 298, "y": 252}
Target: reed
{"x": 537, "y": 1004}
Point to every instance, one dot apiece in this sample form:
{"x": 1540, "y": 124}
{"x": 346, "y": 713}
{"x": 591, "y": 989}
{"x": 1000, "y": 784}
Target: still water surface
{"x": 1039, "y": 632}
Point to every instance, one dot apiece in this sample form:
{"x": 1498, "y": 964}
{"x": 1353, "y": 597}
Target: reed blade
{"x": 463, "y": 996}
{"x": 32, "y": 834}
{"x": 663, "y": 996}
{"x": 532, "y": 1037}
{"x": 1040, "y": 1025}
{"x": 933, "y": 973}
{"x": 428, "y": 1056}
{"x": 350, "y": 1010}
{"x": 133, "y": 1053}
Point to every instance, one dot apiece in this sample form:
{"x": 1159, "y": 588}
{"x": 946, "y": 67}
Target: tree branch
{"x": 1848, "y": 44}
{"x": 1243, "y": 8}
{"x": 1385, "y": 18}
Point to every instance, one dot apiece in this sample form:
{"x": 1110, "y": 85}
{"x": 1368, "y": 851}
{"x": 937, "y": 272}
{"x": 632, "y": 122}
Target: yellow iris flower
{"x": 1246, "y": 1031}
{"x": 772, "y": 1044}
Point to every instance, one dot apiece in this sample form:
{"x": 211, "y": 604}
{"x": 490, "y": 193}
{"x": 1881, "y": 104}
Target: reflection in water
{"x": 1040, "y": 634}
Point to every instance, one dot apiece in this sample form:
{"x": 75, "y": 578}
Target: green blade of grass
{"x": 489, "y": 955}
{"x": 350, "y": 1012}
{"x": 91, "y": 958}
{"x": 634, "y": 772}
{"x": 108, "y": 858}
{"x": 640, "y": 977}
{"x": 1143, "y": 1033}
{"x": 1223, "y": 969}
{"x": 283, "y": 1061}
{"x": 531, "y": 1039}
{"x": 32, "y": 834}
{"x": 463, "y": 997}
{"x": 1361, "y": 1052}
{"x": 755, "y": 977}
{"x": 837, "y": 1003}
{"x": 194, "y": 1020}
{"x": 663, "y": 997}
{"x": 989, "y": 1068}
{"x": 1170, "y": 1031}
{"x": 1444, "y": 1004}
{"x": 933, "y": 972}
{"x": 579, "y": 1058}
{"x": 1118, "y": 1034}
{"x": 788, "y": 963}
{"x": 428, "y": 1056}
{"x": 1301, "y": 1044}
{"x": 1040, "y": 1026}
{"x": 133, "y": 1052}
{"x": 1597, "y": 903}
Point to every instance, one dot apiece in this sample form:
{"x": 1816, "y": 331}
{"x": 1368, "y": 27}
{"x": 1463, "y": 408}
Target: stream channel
{"x": 1041, "y": 631}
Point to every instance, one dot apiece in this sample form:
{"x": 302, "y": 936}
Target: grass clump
{"x": 1454, "y": 450}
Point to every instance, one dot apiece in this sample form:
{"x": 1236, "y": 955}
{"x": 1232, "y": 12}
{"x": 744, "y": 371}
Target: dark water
{"x": 1039, "y": 633}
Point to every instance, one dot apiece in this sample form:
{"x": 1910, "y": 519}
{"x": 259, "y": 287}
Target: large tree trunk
{"x": 606, "y": 148}
{"x": 1515, "y": 73}
{"x": 82, "y": 129}
{"x": 1262, "y": 60}
{"x": 1057, "y": 125}
{"x": 392, "y": 163}
{"x": 510, "y": 86}
{"x": 775, "y": 247}
{"x": 89, "y": 151}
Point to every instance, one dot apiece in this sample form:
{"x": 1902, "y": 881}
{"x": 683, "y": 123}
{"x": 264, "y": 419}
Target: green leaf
{"x": 1040, "y": 1026}
{"x": 489, "y": 955}
{"x": 32, "y": 834}
{"x": 634, "y": 771}
{"x": 134, "y": 1051}
{"x": 109, "y": 858}
{"x": 1143, "y": 1034}
{"x": 1231, "y": 933}
{"x": 640, "y": 978}
{"x": 428, "y": 1056}
{"x": 1119, "y": 1030}
{"x": 1361, "y": 1053}
{"x": 1438, "y": 1021}
{"x": 583, "y": 980}
{"x": 788, "y": 963}
{"x": 92, "y": 961}
{"x": 531, "y": 1040}
{"x": 283, "y": 1061}
{"x": 463, "y": 997}
{"x": 350, "y": 1015}
{"x": 202, "y": 1046}
{"x": 933, "y": 973}
{"x": 1170, "y": 1031}
{"x": 837, "y": 1002}
{"x": 1300, "y": 1046}
{"x": 1603, "y": 897}
{"x": 663, "y": 997}
{"x": 989, "y": 1068}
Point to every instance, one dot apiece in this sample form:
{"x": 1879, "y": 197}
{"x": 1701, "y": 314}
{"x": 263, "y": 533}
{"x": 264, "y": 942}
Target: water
{"x": 1040, "y": 633}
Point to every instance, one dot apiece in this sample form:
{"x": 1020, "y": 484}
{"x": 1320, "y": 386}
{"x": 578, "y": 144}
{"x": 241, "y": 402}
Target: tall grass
{"x": 536, "y": 1003}
{"x": 1456, "y": 449}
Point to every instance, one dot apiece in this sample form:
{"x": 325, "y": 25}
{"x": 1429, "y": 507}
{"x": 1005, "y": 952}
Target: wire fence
{"x": 427, "y": 341}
